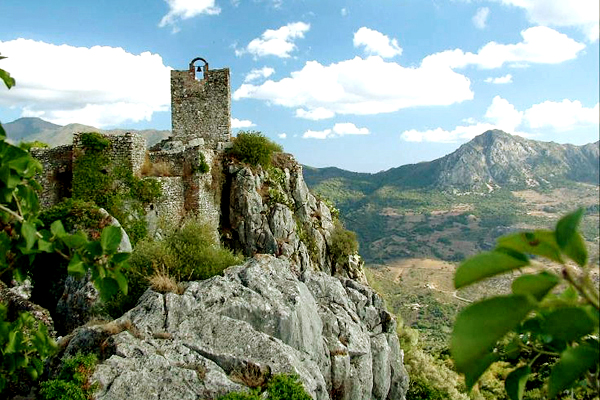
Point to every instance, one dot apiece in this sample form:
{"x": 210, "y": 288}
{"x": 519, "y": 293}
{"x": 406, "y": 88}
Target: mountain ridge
{"x": 29, "y": 129}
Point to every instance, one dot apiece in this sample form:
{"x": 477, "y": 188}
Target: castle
{"x": 201, "y": 130}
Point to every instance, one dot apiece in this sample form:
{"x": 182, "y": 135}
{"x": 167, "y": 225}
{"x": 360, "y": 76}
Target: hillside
{"x": 459, "y": 204}
{"x": 32, "y": 129}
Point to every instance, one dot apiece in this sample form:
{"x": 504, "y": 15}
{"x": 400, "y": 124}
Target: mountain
{"x": 460, "y": 203}
{"x": 32, "y": 129}
{"x": 491, "y": 160}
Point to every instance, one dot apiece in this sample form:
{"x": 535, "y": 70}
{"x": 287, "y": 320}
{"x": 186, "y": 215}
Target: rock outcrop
{"x": 232, "y": 332}
{"x": 273, "y": 212}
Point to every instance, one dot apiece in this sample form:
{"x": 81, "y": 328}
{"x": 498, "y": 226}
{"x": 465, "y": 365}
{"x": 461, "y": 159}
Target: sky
{"x": 363, "y": 85}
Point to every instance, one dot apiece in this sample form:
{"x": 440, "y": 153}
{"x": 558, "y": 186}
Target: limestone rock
{"x": 232, "y": 332}
{"x": 17, "y": 304}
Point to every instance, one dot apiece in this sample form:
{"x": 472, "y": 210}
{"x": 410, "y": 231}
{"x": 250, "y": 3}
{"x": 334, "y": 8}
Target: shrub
{"x": 190, "y": 252}
{"x": 343, "y": 243}
{"x": 73, "y": 381}
{"x": 279, "y": 387}
{"x": 254, "y": 148}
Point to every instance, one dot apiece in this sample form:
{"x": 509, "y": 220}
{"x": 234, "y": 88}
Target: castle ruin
{"x": 201, "y": 130}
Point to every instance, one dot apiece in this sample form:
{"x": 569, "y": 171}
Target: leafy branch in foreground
{"x": 546, "y": 333}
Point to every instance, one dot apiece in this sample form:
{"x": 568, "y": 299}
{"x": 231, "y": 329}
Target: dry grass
{"x": 162, "y": 282}
{"x": 115, "y": 327}
{"x": 160, "y": 168}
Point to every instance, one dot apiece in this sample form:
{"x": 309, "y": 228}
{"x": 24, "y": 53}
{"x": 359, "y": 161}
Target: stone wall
{"x": 57, "y": 174}
{"x": 201, "y": 108}
{"x": 129, "y": 149}
{"x": 168, "y": 210}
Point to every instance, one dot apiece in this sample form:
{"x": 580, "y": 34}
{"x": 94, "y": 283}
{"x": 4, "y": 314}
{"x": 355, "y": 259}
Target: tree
{"x": 547, "y": 327}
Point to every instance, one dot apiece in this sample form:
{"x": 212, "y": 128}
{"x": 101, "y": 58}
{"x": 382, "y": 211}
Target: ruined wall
{"x": 129, "y": 149}
{"x": 168, "y": 210}
{"x": 57, "y": 174}
{"x": 201, "y": 108}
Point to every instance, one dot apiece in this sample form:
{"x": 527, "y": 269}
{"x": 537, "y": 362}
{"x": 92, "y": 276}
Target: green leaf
{"x": 540, "y": 242}
{"x": 569, "y": 323}
{"x": 29, "y": 232}
{"x": 8, "y": 80}
{"x": 569, "y": 240}
{"x": 479, "y": 326}
{"x": 536, "y": 285}
{"x": 485, "y": 265}
{"x": 94, "y": 249}
{"x": 573, "y": 363}
{"x": 120, "y": 258}
{"x": 75, "y": 240}
{"x": 122, "y": 281}
{"x": 516, "y": 381}
{"x": 478, "y": 367}
{"x": 58, "y": 229}
{"x": 107, "y": 287}
{"x": 110, "y": 239}
{"x": 76, "y": 267}
{"x": 45, "y": 246}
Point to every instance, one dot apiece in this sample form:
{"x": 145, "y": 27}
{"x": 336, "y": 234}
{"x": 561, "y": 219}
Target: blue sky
{"x": 361, "y": 85}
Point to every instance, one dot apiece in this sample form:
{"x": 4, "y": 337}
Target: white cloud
{"x": 241, "y": 123}
{"x": 376, "y": 43}
{"x": 255, "y": 74}
{"x": 583, "y": 14}
{"x": 504, "y": 115}
{"x": 500, "y": 80}
{"x": 344, "y": 12}
{"x": 97, "y": 86}
{"x": 540, "y": 45}
{"x": 185, "y": 9}
{"x": 439, "y": 135}
{"x": 276, "y": 42}
{"x": 341, "y": 88}
{"x": 480, "y": 17}
{"x": 316, "y": 114}
{"x": 562, "y": 116}
{"x": 339, "y": 129}
{"x": 282, "y": 135}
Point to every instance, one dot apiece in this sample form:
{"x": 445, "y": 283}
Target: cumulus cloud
{"x": 282, "y": 135}
{"x": 346, "y": 88}
{"x": 504, "y": 115}
{"x": 376, "y": 43}
{"x": 583, "y": 14}
{"x": 256, "y": 74}
{"x": 241, "y": 123}
{"x": 540, "y": 45}
{"x": 562, "y": 116}
{"x": 99, "y": 86}
{"x": 276, "y": 42}
{"x": 480, "y": 17}
{"x": 500, "y": 80}
{"x": 185, "y": 9}
{"x": 339, "y": 129}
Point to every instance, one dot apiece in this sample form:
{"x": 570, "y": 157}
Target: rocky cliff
{"x": 291, "y": 308}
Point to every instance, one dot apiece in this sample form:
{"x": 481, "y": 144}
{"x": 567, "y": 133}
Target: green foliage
{"x": 555, "y": 332}
{"x": 279, "y": 387}
{"x": 6, "y": 78}
{"x": 190, "y": 252}
{"x": 202, "y": 167}
{"x": 343, "y": 243}
{"x": 100, "y": 180}
{"x": 24, "y": 344}
{"x": 254, "y": 148}
{"x": 36, "y": 144}
{"x": 73, "y": 380}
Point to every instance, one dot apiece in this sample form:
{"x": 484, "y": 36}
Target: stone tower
{"x": 201, "y": 105}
